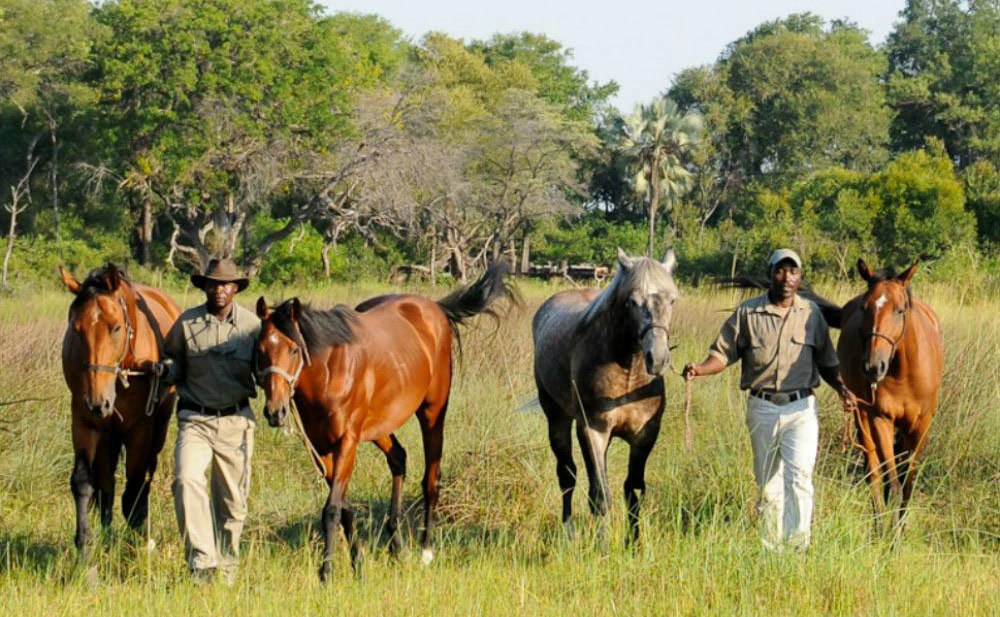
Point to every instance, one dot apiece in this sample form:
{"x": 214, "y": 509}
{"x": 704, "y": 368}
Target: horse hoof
{"x": 324, "y": 572}
{"x": 426, "y": 557}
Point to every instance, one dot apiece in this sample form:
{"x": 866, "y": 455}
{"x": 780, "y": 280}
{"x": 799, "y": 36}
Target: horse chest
{"x": 622, "y": 399}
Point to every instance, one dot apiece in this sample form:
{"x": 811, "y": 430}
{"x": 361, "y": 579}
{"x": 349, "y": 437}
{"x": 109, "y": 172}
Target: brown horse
{"x": 598, "y": 363}
{"x": 891, "y": 358}
{"x": 358, "y": 375}
{"x": 115, "y": 332}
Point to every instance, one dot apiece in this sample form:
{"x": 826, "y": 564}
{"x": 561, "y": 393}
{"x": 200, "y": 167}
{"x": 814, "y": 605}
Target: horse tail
{"x": 477, "y": 298}
{"x": 831, "y": 312}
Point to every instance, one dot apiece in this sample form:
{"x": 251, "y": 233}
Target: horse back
{"x": 407, "y": 344}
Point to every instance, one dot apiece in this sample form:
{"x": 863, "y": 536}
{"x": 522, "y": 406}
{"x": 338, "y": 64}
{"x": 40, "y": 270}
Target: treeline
{"x": 308, "y": 145}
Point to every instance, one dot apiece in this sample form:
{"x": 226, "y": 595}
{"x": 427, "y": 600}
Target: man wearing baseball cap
{"x": 208, "y": 356}
{"x": 784, "y": 347}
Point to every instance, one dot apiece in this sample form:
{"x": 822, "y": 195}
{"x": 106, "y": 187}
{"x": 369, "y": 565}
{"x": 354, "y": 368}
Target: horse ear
{"x": 865, "y": 272}
{"x": 907, "y": 275}
{"x": 112, "y": 276}
{"x": 624, "y": 260}
{"x": 670, "y": 260}
{"x": 296, "y": 309}
{"x": 69, "y": 281}
{"x": 262, "y": 310}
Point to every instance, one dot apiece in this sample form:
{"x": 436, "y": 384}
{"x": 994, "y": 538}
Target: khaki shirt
{"x": 778, "y": 354}
{"x": 210, "y": 360}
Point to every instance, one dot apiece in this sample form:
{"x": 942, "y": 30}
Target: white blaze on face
{"x": 274, "y": 339}
{"x": 880, "y": 302}
{"x": 95, "y": 315}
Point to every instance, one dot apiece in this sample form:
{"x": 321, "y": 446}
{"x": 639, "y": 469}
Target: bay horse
{"x": 358, "y": 375}
{"x": 114, "y": 333}
{"x": 891, "y": 358}
{"x": 598, "y": 363}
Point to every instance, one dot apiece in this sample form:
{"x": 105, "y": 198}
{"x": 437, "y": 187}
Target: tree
{"x": 45, "y": 45}
{"x": 943, "y": 79}
{"x": 791, "y": 97}
{"x": 656, "y": 138}
{"x": 216, "y": 106}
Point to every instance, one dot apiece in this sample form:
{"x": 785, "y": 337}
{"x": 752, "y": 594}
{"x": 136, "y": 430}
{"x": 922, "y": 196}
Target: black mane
{"x": 96, "y": 283}
{"x": 320, "y": 329}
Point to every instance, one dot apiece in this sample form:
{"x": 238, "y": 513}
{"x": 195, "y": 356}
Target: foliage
{"x": 944, "y": 58}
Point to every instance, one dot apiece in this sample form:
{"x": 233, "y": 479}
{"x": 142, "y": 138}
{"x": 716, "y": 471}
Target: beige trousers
{"x": 211, "y": 530}
{"x": 784, "y": 440}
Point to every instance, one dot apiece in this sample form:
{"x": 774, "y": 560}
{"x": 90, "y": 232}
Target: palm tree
{"x": 655, "y": 138}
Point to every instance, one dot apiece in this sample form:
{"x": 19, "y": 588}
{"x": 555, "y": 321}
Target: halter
{"x": 654, "y": 326}
{"x": 116, "y": 368}
{"x": 291, "y": 378}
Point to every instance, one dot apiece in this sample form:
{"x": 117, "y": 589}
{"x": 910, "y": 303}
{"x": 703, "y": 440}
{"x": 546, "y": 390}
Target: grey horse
{"x": 598, "y": 362}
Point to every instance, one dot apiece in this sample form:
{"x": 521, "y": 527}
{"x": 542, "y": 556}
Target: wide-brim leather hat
{"x": 222, "y": 270}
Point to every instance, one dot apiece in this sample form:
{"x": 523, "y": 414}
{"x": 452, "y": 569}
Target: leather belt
{"x": 781, "y": 398}
{"x": 212, "y": 411}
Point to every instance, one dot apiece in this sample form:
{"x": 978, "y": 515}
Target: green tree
{"x": 789, "y": 98}
{"x": 45, "y": 46}
{"x": 943, "y": 79}
{"x": 556, "y": 80}
{"x": 982, "y": 194}
{"x": 214, "y": 107}
{"x": 657, "y": 138}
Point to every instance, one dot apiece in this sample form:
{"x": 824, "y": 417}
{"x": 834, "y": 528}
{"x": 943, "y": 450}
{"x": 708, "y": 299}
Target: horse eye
{"x": 116, "y": 329}
{"x": 295, "y": 351}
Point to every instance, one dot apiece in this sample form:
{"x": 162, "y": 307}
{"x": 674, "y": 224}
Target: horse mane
{"x": 320, "y": 329}
{"x": 96, "y": 283}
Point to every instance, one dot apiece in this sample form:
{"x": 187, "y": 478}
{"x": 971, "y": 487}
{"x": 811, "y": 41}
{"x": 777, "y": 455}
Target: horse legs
{"x": 432, "y": 430}
{"x": 885, "y": 437}
{"x": 561, "y": 443}
{"x": 594, "y": 445}
{"x": 395, "y": 456}
{"x": 81, "y": 480}
{"x": 339, "y": 469}
{"x": 635, "y": 483}
{"x": 140, "y": 463}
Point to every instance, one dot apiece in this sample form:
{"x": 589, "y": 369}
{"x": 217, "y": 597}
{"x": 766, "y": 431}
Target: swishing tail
{"x": 477, "y": 298}
{"x": 831, "y": 312}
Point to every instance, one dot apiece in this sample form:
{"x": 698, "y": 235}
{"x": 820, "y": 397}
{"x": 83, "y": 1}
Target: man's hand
{"x": 691, "y": 370}
{"x": 849, "y": 400}
{"x": 160, "y": 369}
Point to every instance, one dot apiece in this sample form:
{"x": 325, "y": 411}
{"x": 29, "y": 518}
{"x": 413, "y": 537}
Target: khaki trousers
{"x": 784, "y": 440}
{"x": 211, "y": 530}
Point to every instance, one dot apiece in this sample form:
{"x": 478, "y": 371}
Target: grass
{"x": 500, "y": 549}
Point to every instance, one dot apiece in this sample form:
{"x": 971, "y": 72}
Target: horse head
{"x": 102, "y": 316}
{"x": 644, "y": 297}
{"x": 885, "y": 307}
{"x": 279, "y": 356}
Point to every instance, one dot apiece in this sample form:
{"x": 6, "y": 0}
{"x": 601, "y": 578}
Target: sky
{"x": 641, "y": 44}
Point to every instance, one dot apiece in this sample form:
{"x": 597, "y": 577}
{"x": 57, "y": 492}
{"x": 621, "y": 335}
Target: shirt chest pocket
{"x": 803, "y": 341}
{"x": 762, "y": 345}
{"x": 203, "y": 340}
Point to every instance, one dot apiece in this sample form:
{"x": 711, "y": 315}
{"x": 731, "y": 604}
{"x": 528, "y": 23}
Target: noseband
{"x": 291, "y": 378}
{"x": 654, "y": 326}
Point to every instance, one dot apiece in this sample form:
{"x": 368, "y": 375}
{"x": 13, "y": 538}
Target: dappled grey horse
{"x": 598, "y": 361}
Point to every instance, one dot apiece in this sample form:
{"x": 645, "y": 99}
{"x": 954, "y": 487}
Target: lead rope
{"x": 297, "y": 420}
{"x": 688, "y": 434}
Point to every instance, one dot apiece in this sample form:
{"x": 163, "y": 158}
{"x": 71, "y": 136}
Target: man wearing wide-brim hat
{"x": 209, "y": 355}
{"x": 783, "y": 344}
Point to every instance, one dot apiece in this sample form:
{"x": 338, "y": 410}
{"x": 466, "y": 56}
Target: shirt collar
{"x": 769, "y": 307}
{"x": 209, "y": 317}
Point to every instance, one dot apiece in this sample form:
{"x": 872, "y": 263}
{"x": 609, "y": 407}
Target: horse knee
{"x": 81, "y": 484}
{"x": 566, "y": 475}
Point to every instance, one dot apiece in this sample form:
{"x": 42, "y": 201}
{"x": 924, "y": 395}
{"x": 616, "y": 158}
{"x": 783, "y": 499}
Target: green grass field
{"x": 499, "y": 547}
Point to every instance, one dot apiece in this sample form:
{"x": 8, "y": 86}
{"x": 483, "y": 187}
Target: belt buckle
{"x": 781, "y": 398}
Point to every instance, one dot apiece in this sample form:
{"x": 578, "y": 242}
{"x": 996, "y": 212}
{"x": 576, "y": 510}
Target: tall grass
{"x": 500, "y": 548}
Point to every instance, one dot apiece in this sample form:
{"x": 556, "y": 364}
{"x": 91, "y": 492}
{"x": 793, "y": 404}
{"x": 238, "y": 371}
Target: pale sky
{"x": 641, "y": 44}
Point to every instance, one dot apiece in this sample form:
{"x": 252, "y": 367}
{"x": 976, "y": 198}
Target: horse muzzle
{"x": 101, "y": 407}
{"x": 276, "y": 417}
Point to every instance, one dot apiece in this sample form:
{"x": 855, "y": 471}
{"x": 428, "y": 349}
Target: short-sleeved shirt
{"x": 780, "y": 349}
{"x": 210, "y": 359}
